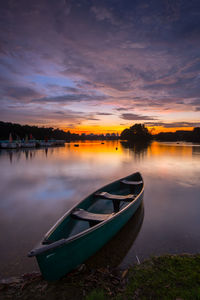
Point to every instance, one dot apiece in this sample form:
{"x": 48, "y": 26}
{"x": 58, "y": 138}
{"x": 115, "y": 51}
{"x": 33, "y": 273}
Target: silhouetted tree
{"x": 136, "y": 133}
{"x": 196, "y": 134}
{"x": 39, "y": 133}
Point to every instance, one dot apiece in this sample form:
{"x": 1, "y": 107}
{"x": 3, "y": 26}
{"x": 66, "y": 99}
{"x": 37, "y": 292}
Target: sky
{"x": 100, "y": 66}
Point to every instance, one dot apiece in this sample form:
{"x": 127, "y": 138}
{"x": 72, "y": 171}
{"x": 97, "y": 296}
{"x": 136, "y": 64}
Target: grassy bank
{"x": 165, "y": 277}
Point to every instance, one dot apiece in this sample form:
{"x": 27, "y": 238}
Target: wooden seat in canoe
{"x": 109, "y": 196}
{"x": 128, "y": 182}
{"x": 92, "y": 218}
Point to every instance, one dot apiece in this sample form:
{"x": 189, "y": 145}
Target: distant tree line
{"x": 139, "y": 133}
{"x": 135, "y": 133}
{"x": 180, "y": 135}
{"x": 38, "y": 133}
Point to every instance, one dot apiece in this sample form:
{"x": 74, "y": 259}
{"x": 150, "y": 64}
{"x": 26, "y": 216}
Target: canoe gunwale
{"x": 42, "y": 247}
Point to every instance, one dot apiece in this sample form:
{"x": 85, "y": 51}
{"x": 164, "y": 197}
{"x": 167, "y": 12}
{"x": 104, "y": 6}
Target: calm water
{"x": 38, "y": 186}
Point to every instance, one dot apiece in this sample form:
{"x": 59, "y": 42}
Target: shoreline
{"x": 162, "y": 277}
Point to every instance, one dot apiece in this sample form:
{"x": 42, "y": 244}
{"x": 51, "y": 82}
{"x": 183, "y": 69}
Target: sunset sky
{"x": 100, "y": 66}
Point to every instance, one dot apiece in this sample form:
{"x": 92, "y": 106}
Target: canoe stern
{"x": 57, "y": 262}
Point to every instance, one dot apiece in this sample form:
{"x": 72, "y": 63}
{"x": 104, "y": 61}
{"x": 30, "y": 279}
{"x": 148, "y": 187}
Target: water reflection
{"x": 116, "y": 249}
{"x": 39, "y": 185}
{"x": 28, "y": 154}
{"x": 196, "y": 150}
{"x": 138, "y": 149}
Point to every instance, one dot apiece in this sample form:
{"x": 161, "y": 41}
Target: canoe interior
{"x": 69, "y": 226}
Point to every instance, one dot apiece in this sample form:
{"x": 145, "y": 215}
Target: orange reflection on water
{"x": 169, "y": 149}
{"x": 97, "y": 147}
{"x": 55, "y": 179}
{"x": 97, "y": 153}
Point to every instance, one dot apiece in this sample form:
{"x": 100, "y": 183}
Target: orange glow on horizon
{"x": 119, "y": 129}
{"x": 158, "y": 129}
{"x": 95, "y": 129}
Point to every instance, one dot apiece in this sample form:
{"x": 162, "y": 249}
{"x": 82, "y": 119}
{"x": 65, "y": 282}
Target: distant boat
{"x": 87, "y": 226}
{"x": 51, "y": 143}
{"x": 76, "y": 145}
{"x": 28, "y": 144}
{"x": 45, "y": 144}
{"x": 102, "y": 143}
{"x": 9, "y": 145}
{"x": 10, "y": 138}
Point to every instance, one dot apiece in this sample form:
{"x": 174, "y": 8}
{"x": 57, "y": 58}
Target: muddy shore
{"x": 75, "y": 285}
{"x": 165, "y": 277}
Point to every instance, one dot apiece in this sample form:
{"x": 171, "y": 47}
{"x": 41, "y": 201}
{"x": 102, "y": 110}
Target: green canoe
{"x": 86, "y": 227}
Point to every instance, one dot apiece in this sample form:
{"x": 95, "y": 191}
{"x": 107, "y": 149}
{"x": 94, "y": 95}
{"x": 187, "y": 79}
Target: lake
{"x": 39, "y": 185}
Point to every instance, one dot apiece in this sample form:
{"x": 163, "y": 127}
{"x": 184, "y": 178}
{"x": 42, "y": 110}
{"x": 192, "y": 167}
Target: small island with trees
{"x": 136, "y": 133}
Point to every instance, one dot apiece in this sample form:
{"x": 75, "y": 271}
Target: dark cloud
{"x": 24, "y": 115}
{"x": 173, "y": 124}
{"x": 59, "y": 112}
{"x": 121, "y": 108}
{"x": 70, "y": 98}
{"x": 196, "y": 104}
{"x": 104, "y": 114}
{"x": 186, "y": 87}
{"x": 93, "y": 119}
{"x": 20, "y": 93}
{"x": 135, "y": 117}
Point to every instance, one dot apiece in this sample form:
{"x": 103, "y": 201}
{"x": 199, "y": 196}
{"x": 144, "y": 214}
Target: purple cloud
{"x": 124, "y": 56}
{"x": 135, "y": 117}
{"x": 20, "y": 93}
{"x": 173, "y": 124}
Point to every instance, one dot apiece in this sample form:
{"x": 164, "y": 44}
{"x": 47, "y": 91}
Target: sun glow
{"x": 87, "y": 129}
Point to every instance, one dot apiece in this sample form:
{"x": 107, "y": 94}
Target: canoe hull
{"x": 55, "y": 263}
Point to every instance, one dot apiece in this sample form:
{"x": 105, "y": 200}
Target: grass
{"x": 160, "y": 278}
{"x": 166, "y": 277}
{"x": 96, "y": 295}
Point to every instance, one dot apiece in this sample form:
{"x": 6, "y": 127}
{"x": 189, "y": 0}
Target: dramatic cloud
{"x": 70, "y": 98}
{"x": 135, "y": 117}
{"x": 138, "y": 58}
{"x": 104, "y": 114}
{"x": 173, "y": 124}
{"x": 20, "y": 93}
